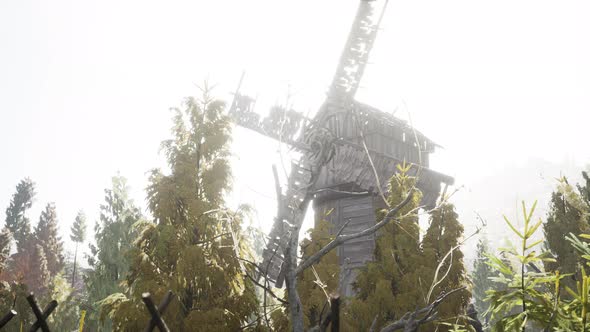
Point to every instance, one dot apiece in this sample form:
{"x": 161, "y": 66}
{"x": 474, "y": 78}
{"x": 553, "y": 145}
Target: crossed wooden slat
{"x": 41, "y": 316}
{"x": 7, "y": 318}
{"x": 156, "y": 313}
{"x": 41, "y": 323}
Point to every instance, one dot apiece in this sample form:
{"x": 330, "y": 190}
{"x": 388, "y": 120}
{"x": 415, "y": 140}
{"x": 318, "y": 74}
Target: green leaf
{"x": 533, "y": 229}
{"x": 497, "y": 263}
{"x": 513, "y": 228}
{"x": 534, "y": 244}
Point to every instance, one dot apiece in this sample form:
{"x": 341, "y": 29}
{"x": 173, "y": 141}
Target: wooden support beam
{"x": 335, "y": 312}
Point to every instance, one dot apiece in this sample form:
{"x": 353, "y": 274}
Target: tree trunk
{"x": 295, "y": 307}
{"x": 74, "y": 272}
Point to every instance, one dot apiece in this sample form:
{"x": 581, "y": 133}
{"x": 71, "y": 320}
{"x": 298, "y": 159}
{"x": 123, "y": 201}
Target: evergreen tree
{"x": 315, "y": 284}
{"x": 443, "y": 236}
{"x": 38, "y": 277}
{"x": 114, "y": 235}
{"x": 584, "y": 193}
{"x": 193, "y": 246}
{"x": 78, "y": 235}
{"x": 528, "y": 299}
{"x": 6, "y": 295}
{"x": 396, "y": 281}
{"x": 482, "y": 272}
{"x": 5, "y": 239}
{"x": 67, "y": 314}
{"x": 16, "y": 221}
{"x": 46, "y": 235}
{"x": 567, "y": 214}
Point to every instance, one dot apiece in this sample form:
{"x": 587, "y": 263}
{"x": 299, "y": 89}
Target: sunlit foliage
{"x": 194, "y": 244}
{"x": 395, "y": 282}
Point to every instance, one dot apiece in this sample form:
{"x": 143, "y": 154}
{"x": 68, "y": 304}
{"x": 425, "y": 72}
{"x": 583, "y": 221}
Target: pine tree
{"x": 46, "y": 235}
{"x": 38, "y": 278}
{"x": 566, "y": 215}
{"x": 584, "y": 192}
{"x": 114, "y": 235}
{"x": 527, "y": 300}
{"x": 16, "y": 221}
{"x": 78, "y": 235}
{"x": 482, "y": 272}
{"x": 5, "y": 289}
{"x": 443, "y": 236}
{"x": 396, "y": 281}
{"x": 315, "y": 284}
{"x": 193, "y": 246}
{"x": 5, "y": 240}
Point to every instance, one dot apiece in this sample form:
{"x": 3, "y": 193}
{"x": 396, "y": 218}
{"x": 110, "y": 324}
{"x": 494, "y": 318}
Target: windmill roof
{"x": 387, "y": 119}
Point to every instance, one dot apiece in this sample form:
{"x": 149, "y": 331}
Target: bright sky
{"x": 85, "y": 88}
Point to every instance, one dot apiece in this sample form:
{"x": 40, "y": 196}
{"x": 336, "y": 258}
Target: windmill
{"x": 348, "y": 152}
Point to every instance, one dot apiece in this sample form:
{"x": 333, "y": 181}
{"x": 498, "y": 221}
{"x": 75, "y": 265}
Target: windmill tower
{"x": 349, "y": 151}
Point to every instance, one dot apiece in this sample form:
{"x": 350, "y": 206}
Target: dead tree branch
{"x": 410, "y": 321}
{"x": 257, "y": 283}
{"x": 343, "y": 238}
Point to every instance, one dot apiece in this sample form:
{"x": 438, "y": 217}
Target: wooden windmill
{"x": 348, "y": 150}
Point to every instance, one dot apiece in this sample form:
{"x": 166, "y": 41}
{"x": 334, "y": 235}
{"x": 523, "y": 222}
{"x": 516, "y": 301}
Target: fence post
{"x": 7, "y": 318}
{"x": 335, "y": 312}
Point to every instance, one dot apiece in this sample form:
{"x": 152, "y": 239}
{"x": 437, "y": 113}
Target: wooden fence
{"x": 41, "y": 316}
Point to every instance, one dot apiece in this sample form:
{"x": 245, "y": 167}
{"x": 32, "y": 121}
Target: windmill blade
{"x": 355, "y": 55}
{"x": 281, "y": 124}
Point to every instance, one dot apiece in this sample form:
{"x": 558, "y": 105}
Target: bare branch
{"x": 373, "y": 324}
{"x": 266, "y": 279}
{"x": 391, "y": 214}
{"x": 343, "y": 227}
{"x": 436, "y": 282}
{"x": 351, "y": 193}
{"x": 409, "y": 321}
{"x": 372, "y": 165}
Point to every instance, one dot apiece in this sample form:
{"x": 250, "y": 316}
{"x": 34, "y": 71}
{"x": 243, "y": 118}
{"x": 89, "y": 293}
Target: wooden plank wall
{"x": 354, "y": 254}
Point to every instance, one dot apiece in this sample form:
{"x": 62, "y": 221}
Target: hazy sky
{"x": 85, "y": 87}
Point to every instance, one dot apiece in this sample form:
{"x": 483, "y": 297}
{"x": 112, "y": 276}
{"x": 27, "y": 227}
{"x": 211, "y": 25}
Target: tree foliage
{"x": 78, "y": 235}
{"x": 481, "y": 279}
{"x": 394, "y": 282}
{"x": 193, "y": 246}
{"x": 109, "y": 261}
{"x": 5, "y": 241}
{"x": 16, "y": 220}
{"x": 567, "y": 214}
{"x": 315, "y": 284}
{"x": 78, "y": 229}
{"x": 440, "y": 247}
{"x": 46, "y": 236}
{"x": 525, "y": 289}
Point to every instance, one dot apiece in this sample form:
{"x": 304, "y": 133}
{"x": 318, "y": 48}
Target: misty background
{"x": 85, "y": 89}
